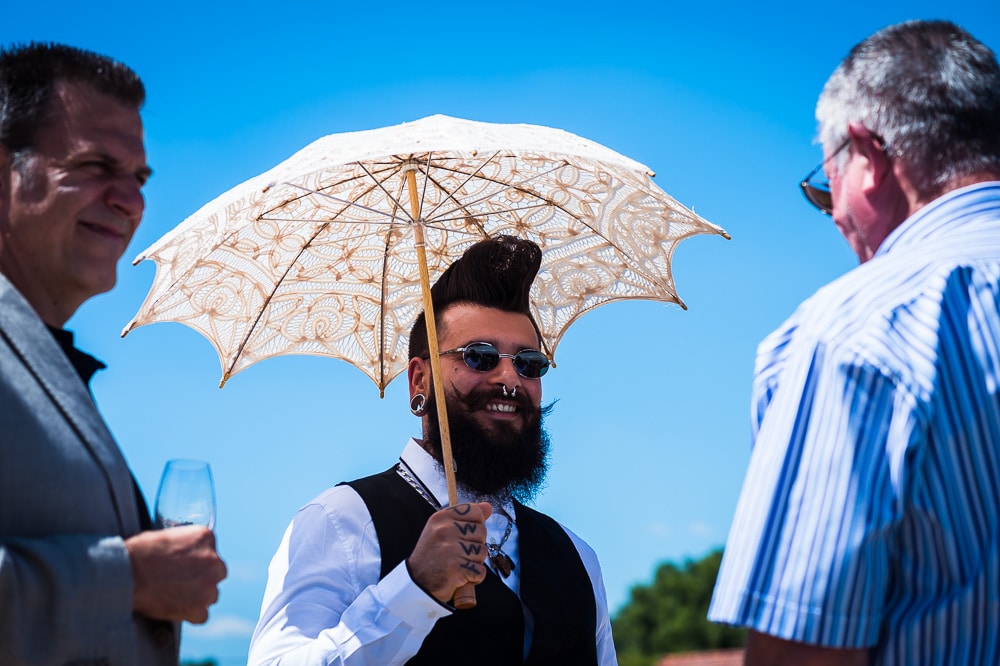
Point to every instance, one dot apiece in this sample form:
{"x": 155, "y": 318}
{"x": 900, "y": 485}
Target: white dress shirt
{"x": 324, "y": 602}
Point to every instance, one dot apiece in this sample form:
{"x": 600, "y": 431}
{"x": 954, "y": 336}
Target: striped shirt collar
{"x": 942, "y": 214}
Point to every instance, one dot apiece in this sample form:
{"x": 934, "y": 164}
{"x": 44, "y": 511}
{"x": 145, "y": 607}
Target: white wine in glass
{"x": 186, "y": 495}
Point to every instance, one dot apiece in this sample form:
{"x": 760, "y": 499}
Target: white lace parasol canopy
{"x": 317, "y": 255}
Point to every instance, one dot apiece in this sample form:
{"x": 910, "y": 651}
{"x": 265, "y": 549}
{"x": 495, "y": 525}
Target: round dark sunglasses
{"x": 483, "y": 357}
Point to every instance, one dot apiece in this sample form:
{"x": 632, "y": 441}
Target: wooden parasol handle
{"x": 465, "y": 596}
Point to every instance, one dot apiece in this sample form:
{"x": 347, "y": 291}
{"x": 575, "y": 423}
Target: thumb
{"x": 487, "y": 509}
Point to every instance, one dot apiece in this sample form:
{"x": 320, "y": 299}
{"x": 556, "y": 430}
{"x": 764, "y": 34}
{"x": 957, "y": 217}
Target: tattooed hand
{"x": 451, "y": 550}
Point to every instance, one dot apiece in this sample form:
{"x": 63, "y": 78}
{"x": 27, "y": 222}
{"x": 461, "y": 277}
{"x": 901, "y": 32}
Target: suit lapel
{"x": 42, "y": 356}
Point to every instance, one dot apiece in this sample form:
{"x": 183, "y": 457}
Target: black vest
{"x": 555, "y": 587}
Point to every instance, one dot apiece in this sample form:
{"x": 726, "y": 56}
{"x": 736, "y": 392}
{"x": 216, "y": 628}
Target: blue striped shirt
{"x": 870, "y": 512}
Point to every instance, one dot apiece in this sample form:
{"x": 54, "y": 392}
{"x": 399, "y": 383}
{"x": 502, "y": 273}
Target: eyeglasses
{"x": 816, "y": 186}
{"x": 483, "y": 357}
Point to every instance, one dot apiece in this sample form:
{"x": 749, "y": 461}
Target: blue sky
{"x": 651, "y": 430}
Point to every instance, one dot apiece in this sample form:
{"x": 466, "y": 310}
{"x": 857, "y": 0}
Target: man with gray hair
{"x": 868, "y": 529}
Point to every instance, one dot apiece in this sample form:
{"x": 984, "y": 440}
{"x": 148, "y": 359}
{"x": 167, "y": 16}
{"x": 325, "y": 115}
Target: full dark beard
{"x": 502, "y": 462}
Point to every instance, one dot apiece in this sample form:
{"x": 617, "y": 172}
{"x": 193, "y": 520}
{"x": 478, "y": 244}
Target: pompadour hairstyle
{"x": 495, "y": 273}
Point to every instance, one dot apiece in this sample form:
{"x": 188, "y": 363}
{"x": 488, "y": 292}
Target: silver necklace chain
{"x": 499, "y": 560}
{"x": 404, "y": 471}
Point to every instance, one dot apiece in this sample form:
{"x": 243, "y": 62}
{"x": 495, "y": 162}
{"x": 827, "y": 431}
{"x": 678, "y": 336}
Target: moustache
{"x": 478, "y": 399}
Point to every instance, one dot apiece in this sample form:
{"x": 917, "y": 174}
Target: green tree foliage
{"x": 205, "y": 662}
{"x": 669, "y": 615}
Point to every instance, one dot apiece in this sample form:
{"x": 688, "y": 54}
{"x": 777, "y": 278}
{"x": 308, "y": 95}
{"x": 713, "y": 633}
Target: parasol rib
{"x": 383, "y": 312}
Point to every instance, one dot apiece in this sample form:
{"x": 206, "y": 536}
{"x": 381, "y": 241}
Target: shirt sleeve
{"x": 606, "y": 655}
{"x": 808, "y": 553}
{"x": 324, "y": 602}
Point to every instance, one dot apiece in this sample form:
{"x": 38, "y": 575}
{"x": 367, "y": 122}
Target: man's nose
{"x": 125, "y": 195}
{"x": 506, "y": 373}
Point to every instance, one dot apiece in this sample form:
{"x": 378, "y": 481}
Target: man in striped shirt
{"x": 868, "y": 529}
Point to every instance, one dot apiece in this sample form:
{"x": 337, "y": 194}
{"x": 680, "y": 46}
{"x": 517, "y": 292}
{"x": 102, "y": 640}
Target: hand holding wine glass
{"x": 176, "y": 572}
{"x": 186, "y": 495}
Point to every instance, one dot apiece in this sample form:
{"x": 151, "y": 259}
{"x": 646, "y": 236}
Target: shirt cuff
{"x": 407, "y": 601}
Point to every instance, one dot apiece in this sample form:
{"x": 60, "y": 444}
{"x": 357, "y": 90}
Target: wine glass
{"x": 186, "y": 495}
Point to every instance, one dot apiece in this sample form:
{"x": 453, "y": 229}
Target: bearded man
{"x": 366, "y": 571}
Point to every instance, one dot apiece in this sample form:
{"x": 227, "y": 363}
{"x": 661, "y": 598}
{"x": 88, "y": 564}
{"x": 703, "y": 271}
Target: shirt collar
{"x": 84, "y": 364}
{"x": 944, "y": 215}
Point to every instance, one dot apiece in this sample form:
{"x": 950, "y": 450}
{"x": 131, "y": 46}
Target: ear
{"x": 418, "y": 372}
{"x": 871, "y": 148}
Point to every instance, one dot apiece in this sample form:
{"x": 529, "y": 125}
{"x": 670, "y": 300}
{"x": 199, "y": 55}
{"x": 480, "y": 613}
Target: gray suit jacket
{"x": 66, "y": 502}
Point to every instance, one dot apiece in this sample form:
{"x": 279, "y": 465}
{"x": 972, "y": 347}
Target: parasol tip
{"x": 225, "y": 378}
{"x": 381, "y": 393}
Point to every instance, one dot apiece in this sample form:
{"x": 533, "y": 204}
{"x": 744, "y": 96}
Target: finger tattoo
{"x": 466, "y": 528}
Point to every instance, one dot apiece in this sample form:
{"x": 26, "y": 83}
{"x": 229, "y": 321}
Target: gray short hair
{"x": 930, "y": 90}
